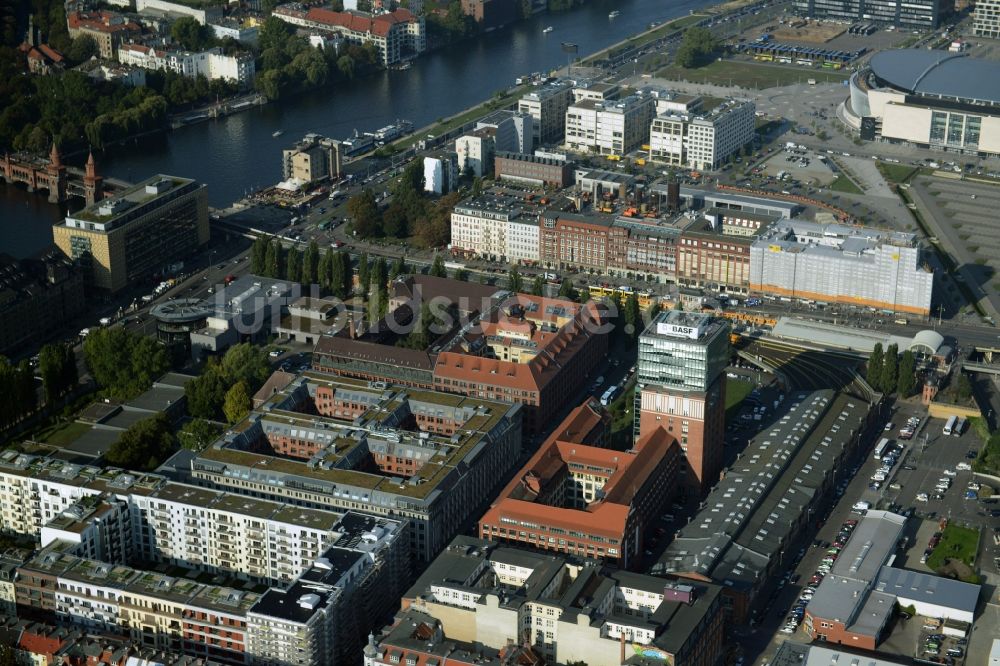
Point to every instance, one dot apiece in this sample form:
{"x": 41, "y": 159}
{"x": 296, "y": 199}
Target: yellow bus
{"x": 645, "y": 297}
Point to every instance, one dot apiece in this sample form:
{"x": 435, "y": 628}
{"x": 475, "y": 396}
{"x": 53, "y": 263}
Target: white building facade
{"x": 702, "y": 141}
{"x": 212, "y": 64}
{"x": 609, "y": 128}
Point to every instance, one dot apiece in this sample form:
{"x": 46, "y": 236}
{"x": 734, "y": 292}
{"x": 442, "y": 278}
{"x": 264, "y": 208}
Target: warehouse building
{"x": 857, "y": 599}
{"x": 741, "y": 537}
{"x": 835, "y": 263}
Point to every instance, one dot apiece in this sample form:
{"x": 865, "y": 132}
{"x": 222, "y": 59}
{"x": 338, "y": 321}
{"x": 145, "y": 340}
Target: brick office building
{"x": 584, "y": 500}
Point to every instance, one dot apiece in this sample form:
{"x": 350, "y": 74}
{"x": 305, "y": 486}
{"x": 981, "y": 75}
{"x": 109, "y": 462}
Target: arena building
{"x": 931, "y": 99}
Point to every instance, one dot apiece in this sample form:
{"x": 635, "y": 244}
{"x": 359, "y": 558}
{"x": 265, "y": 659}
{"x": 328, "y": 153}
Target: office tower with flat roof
{"x": 681, "y": 387}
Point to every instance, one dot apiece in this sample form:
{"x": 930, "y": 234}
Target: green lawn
{"x": 61, "y": 434}
{"x": 736, "y": 393}
{"x": 896, "y": 173}
{"x": 844, "y": 184}
{"x": 956, "y": 543}
{"x": 750, "y": 74}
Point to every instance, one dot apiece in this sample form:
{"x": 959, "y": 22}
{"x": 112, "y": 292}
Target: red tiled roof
{"x": 379, "y": 25}
{"x": 38, "y": 644}
{"x": 99, "y": 21}
{"x": 606, "y": 517}
{"x": 50, "y": 53}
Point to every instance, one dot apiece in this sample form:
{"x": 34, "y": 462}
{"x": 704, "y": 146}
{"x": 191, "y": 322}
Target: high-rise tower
{"x": 681, "y": 386}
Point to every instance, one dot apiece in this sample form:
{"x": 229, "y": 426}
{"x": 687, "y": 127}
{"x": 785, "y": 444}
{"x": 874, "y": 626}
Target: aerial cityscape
{"x": 499, "y": 333}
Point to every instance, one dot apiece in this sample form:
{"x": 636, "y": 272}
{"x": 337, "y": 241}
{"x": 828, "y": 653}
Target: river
{"x": 238, "y": 153}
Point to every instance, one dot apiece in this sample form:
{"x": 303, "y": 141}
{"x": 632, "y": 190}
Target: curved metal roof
{"x": 939, "y": 74}
{"x": 928, "y": 339}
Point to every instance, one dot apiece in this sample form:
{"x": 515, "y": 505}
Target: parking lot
{"x": 801, "y": 165}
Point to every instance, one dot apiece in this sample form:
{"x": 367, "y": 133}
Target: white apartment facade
{"x": 212, "y": 64}
{"x": 494, "y": 229}
{"x": 609, "y": 128}
{"x": 441, "y": 173}
{"x": 702, "y": 141}
{"x": 475, "y": 151}
{"x": 986, "y": 19}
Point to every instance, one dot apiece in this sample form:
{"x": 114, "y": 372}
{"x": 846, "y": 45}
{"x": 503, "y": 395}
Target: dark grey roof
{"x": 928, "y": 588}
{"x": 939, "y": 74}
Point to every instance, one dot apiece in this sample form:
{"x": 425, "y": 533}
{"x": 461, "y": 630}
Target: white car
{"x": 950, "y": 472}
{"x": 963, "y": 466}
{"x": 921, "y": 497}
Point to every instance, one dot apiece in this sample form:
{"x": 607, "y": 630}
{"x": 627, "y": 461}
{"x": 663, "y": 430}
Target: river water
{"x": 237, "y": 154}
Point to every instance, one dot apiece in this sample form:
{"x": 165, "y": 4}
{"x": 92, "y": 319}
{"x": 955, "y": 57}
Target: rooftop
{"x": 941, "y": 74}
{"x": 130, "y": 203}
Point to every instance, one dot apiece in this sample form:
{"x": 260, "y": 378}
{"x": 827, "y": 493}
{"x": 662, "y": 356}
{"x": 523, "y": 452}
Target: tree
{"x": 437, "y": 268}
{"x": 347, "y": 284}
{"x": 875, "y": 362}
{"x": 394, "y": 221}
{"x": 567, "y": 290}
{"x": 399, "y": 267}
{"x": 52, "y": 361}
{"x": 907, "y": 382}
{"x": 237, "y": 403}
{"x": 363, "y": 273}
{"x": 324, "y": 270}
{"x": 82, "y": 49}
{"x": 364, "y": 211}
{"x": 198, "y": 433}
{"x": 258, "y": 255}
{"x": 144, "y": 445}
{"x": 274, "y": 33}
{"x": 514, "y": 281}
{"x": 310, "y": 260}
{"x": 293, "y": 266}
{"x": 246, "y": 363}
{"x": 477, "y": 186}
{"x": 632, "y": 316}
{"x": 379, "y": 289}
{"x": 191, "y": 34}
{"x": 538, "y": 286}
{"x": 462, "y": 274}
{"x": 124, "y": 364}
{"x": 274, "y": 259}
{"x": 890, "y": 369}
{"x": 696, "y": 48}
{"x": 206, "y": 393}
{"x": 336, "y": 275}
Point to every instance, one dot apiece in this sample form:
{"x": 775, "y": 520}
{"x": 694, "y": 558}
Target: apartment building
{"x": 38, "y": 294}
{"x": 359, "y": 576}
{"x": 441, "y": 172}
{"x": 584, "y": 500}
{"x": 109, "y": 29}
{"x": 122, "y": 241}
{"x": 565, "y": 610}
{"x": 614, "y": 127}
{"x": 398, "y": 35}
{"x": 494, "y": 228}
{"x": 986, "y": 19}
{"x": 475, "y": 152}
{"x": 714, "y": 249}
{"x": 345, "y": 444}
{"x": 836, "y": 263}
{"x": 704, "y": 140}
{"x": 547, "y": 107}
{"x": 533, "y": 170}
{"x": 314, "y": 158}
{"x": 513, "y": 130}
{"x": 213, "y": 64}
{"x": 681, "y": 387}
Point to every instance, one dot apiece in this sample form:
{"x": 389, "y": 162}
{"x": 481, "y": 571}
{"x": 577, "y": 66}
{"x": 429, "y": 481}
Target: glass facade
{"x": 682, "y": 363}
